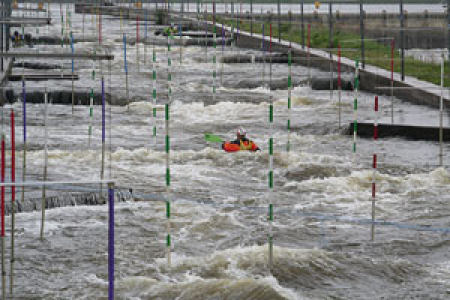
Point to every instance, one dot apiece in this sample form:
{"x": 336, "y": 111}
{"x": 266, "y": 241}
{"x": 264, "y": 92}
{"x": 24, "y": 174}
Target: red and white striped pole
{"x": 374, "y": 166}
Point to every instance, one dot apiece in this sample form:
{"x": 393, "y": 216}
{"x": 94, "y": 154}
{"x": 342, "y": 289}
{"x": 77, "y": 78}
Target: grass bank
{"x": 376, "y": 53}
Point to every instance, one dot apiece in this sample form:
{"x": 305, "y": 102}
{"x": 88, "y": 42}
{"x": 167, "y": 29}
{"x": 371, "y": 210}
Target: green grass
{"x": 376, "y": 53}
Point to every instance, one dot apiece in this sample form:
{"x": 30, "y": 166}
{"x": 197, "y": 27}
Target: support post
{"x": 441, "y": 115}
{"x": 303, "y": 24}
{"x": 45, "y": 163}
{"x": 361, "y": 29}
{"x": 402, "y": 40}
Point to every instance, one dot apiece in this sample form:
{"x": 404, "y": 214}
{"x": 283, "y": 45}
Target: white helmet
{"x": 241, "y": 131}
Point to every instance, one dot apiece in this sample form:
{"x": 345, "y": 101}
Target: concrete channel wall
{"x": 372, "y": 79}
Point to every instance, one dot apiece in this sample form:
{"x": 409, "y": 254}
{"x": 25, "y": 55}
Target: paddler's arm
{"x": 255, "y": 147}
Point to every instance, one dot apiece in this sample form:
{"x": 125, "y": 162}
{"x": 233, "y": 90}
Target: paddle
{"x": 209, "y": 137}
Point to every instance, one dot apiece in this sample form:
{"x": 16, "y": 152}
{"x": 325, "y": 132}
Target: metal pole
{"x": 361, "y": 29}
{"x": 392, "y": 81}
{"x": 270, "y": 214}
{"x": 13, "y": 200}
{"x": 402, "y": 40}
{"x": 167, "y": 125}
{"x": 448, "y": 35}
{"x": 279, "y": 19}
{"x": 126, "y": 70}
{"x": 3, "y": 212}
{"x": 330, "y": 20}
{"x": 374, "y": 170}
{"x": 251, "y": 17}
{"x": 45, "y": 163}
{"x": 303, "y": 25}
{"x": 73, "y": 67}
{"x": 339, "y": 83}
{"x": 2, "y": 13}
{"x": 288, "y": 147}
{"x": 102, "y": 170}
{"x": 111, "y": 242}
{"x": 441, "y": 115}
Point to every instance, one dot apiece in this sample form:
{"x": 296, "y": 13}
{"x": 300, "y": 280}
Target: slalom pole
{"x": 13, "y": 199}
{"x": 309, "y": 53}
{"x": 110, "y": 119}
{"x": 154, "y": 95}
{"x": 102, "y": 170}
{"x": 83, "y": 21}
{"x": 45, "y": 163}
{"x": 62, "y": 35}
{"x": 270, "y": 160}
{"x": 375, "y": 138}
{"x": 145, "y": 43}
{"x": 223, "y": 53}
{"x": 288, "y": 146}
{"x": 121, "y": 21}
{"x": 111, "y": 241}
{"x": 99, "y": 26}
{"x": 339, "y": 83}
{"x": 167, "y": 117}
{"x": 3, "y": 212}
{"x": 355, "y": 107}
{"x": 392, "y": 81}
{"x": 180, "y": 31}
{"x": 100, "y": 37}
{"x": 137, "y": 44}
{"x": 206, "y": 33}
{"x": 91, "y": 103}
{"x": 238, "y": 24}
{"x": 126, "y": 70}
{"x": 263, "y": 49}
{"x": 69, "y": 23}
{"x": 66, "y": 31}
{"x": 198, "y": 22}
{"x": 24, "y": 117}
{"x": 214, "y": 73}
{"x": 73, "y": 69}
{"x": 441, "y": 115}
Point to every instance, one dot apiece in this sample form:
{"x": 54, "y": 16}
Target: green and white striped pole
{"x": 355, "y": 108}
{"x": 167, "y": 108}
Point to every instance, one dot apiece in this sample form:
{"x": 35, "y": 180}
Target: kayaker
{"x": 240, "y": 143}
